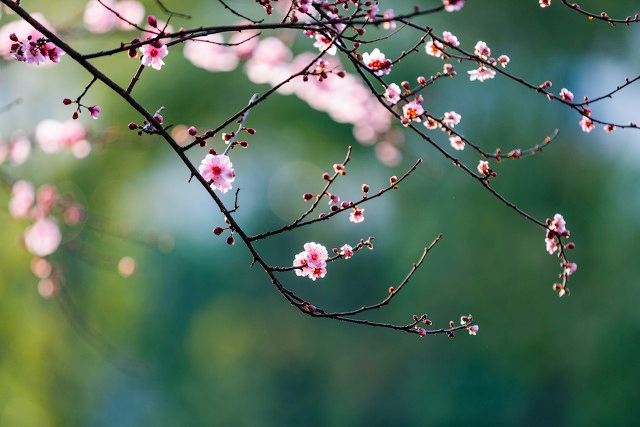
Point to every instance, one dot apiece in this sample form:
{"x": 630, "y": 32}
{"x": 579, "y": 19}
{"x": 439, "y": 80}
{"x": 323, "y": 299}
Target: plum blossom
{"x": 218, "y": 169}
{"x": 456, "y": 142}
{"x": 544, "y": 3}
{"x": 43, "y": 237}
{"x": 32, "y": 51}
{"x": 53, "y": 136}
{"x": 412, "y": 112}
{"x": 357, "y": 215}
{"x": 473, "y": 329}
{"x": 453, "y": 5}
{"x": 570, "y": 268}
{"x": 373, "y": 10}
{"x": 483, "y": 168}
{"x": 210, "y": 53}
{"x": 22, "y": 198}
{"x": 94, "y": 111}
{"x": 481, "y": 74}
{"x": 566, "y": 95}
{"x": 450, "y": 39}
{"x": 586, "y": 124}
{"x": 153, "y": 53}
{"x": 556, "y": 227}
{"x": 451, "y": 118}
{"x": 390, "y": 24}
{"x": 392, "y": 93}
{"x": 430, "y": 123}
{"x": 313, "y": 261}
{"x": 346, "y": 251}
{"x": 377, "y": 62}
{"x": 324, "y": 44}
{"x": 421, "y": 331}
{"x": 482, "y": 50}
{"x": 503, "y": 60}
{"x": 434, "y": 48}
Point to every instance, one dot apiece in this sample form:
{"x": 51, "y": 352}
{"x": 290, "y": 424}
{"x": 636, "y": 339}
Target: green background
{"x": 196, "y": 337}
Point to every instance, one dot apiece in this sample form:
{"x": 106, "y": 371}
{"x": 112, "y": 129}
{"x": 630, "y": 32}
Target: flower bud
{"x": 132, "y": 126}
{"x": 218, "y": 230}
{"x": 307, "y": 196}
{"x": 192, "y": 130}
{"x": 67, "y": 101}
{"x": 230, "y": 240}
{"x": 152, "y": 21}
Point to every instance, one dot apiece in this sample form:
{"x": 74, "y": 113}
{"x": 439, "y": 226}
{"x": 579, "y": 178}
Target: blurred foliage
{"x": 196, "y": 337}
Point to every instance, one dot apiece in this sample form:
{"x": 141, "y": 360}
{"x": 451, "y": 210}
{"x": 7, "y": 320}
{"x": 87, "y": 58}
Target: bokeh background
{"x": 195, "y": 337}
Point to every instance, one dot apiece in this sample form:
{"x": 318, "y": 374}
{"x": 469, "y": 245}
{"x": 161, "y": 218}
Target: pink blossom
{"x": 503, "y": 60}
{"x": 43, "y": 237}
{"x": 544, "y": 3}
{"x": 451, "y": 118}
{"x": 481, "y": 74}
{"x": 473, "y": 329}
{"x": 94, "y": 111}
{"x": 586, "y": 124}
{"x": 609, "y": 128}
{"x": 450, "y": 39}
{"x": 453, "y": 5}
{"x": 570, "y": 268}
{"x": 324, "y": 44}
{"x": 456, "y": 142}
{"x": 209, "y": 53}
{"x": 430, "y": 123}
{"x": 316, "y": 254}
{"x": 392, "y": 93}
{"x": 482, "y": 50}
{"x": 434, "y": 48}
{"x": 412, "y": 111}
{"x": 19, "y": 149}
{"x": 219, "y": 170}
{"x": 357, "y": 215}
{"x": 53, "y": 136}
{"x": 313, "y": 261}
{"x": 421, "y": 331}
{"x": 483, "y": 168}
{"x": 22, "y": 198}
{"x": 377, "y": 62}
{"x": 346, "y": 251}
{"x": 390, "y": 24}
{"x": 566, "y": 95}
{"x": 551, "y": 245}
{"x": 132, "y": 11}
{"x": 153, "y": 53}
{"x": 559, "y": 225}
{"x": 97, "y": 18}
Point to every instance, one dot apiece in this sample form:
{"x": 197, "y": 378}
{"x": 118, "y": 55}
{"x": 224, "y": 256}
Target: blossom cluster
{"x": 312, "y": 262}
{"x": 34, "y": 51}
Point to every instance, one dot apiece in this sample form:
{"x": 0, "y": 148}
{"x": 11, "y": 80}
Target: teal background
{"x": 197, "y": 338}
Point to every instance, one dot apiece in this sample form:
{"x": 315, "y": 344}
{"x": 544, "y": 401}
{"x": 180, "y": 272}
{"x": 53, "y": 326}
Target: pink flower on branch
{"x": 453, "y": 5}
{"x": 218, "y": 170}
{"x": 153, "y": 53}
{"x": 377, "y": 62}
{"x": 313, "y": 261}
{"x": 481, "y": 74}
{"x": 357, "y": 215}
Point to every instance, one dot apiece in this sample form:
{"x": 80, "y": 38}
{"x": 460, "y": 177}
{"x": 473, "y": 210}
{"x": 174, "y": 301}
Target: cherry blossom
{"x": 481, "y": 74}
{"x": 392, "y": 93}
{"x": 453, "y": 5}
{"x": 357, "y": 215}
{"x": 377, "y": 62}
{"x": 456, "y": 142}
{"x": 153, "y": 53}
{"x": 219, "y": 170}
{"x": 43, "y": 237}
{"x": 324, "y": 44}
{"x": 94, "y": 111}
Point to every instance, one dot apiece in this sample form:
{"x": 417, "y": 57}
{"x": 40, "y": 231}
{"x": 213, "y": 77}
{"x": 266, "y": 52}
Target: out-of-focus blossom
{"x": 453, "y": 5}
{"x": 209, "y": 52}
{"x": 390, "y": 24}
{"x": 43, "y": 237}
{"x": 22, "y": 198}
